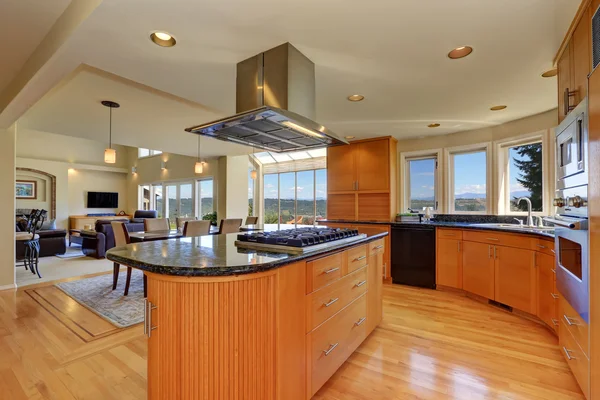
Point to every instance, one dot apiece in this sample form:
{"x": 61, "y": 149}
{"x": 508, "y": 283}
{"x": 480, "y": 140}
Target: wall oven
{"x": 571, "y": 220}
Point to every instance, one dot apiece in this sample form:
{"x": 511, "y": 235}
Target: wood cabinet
{"x": 375, "y": 298}
{"x": 449, "y": 263}
{"x": 547, "y": 297}
{"x": 564, "y": 81}
{"x": 514, "y": 278}
{"x": 361, "y": 180}
{"x": 478, "y": 269}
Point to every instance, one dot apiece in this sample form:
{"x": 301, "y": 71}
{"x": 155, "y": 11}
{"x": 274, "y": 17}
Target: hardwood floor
{"x": 430, "y": 345}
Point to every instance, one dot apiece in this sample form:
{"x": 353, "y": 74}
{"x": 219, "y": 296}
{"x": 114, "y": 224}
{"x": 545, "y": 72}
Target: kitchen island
{"x": 225, "y": 322}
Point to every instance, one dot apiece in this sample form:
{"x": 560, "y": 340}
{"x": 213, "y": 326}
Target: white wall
{"x": 7, "y": 199}
{"x": 233, "y": 187}
{"x": 82, "y": 181}
{"x": 43, "y": 191}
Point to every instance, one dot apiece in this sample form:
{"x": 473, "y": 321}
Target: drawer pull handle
{"x": 378, "y": 247}
{"x": 568, "y": 354}
{"x": 494, "y": 239}
{"x": 331, "y": 348}
{"x": 359, "y": 284}
{"x": 554, "y": 295}
{"x": 331, "y": 302}
{"x": 360, "y": 258}
{"x": 554, "y": 322}
{"x": 570, "y": 321}
{"x": 541, "y": 247}
{"x": 329, "y": 271}
{"x": 553, "y": 252}
{"x": 360, "y": 321}
{"x": 553, "y": 271}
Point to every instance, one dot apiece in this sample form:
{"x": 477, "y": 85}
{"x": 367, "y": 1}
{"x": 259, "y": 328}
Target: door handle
{"x": 360, "y": 258}
{"x": 554, "y": 295}
{"x": 148, "y": 328}
{"x": 359, "y": 284}
{"x": 568, "y": 354}
{"x": 329, "y": 271}
{"x": 330, "y": 349}
{"x": 330, "y": 302}
{"x": 360, "y": 321}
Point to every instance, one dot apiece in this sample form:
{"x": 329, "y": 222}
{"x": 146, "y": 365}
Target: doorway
{"x": 179, "y": 201}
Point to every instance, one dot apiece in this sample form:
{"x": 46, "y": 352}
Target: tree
{"x": 530, "y": 174}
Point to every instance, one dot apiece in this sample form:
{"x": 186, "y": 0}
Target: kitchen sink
{"x": 516, "y": 227}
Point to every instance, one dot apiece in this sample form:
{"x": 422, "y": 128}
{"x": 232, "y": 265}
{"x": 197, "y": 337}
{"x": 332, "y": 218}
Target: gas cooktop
{"x": 297, "y": 240}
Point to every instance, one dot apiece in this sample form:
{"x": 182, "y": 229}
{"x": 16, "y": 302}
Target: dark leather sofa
{"x": 96, "y": 243}
{"x": 52, "y": 242}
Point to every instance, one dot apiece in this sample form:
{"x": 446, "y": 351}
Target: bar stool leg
{"x": 127, "y": 281}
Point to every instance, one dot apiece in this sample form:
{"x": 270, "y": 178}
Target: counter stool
{"x": 31, "y": 241}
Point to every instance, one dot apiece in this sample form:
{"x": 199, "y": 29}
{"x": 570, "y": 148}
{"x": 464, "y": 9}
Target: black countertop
{"x": 453, "y": 224}
{"x": 211, "y": 255}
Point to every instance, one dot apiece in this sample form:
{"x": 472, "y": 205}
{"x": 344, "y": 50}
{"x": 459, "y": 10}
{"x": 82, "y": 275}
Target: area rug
{"x": 72, "y": 252}
{"x": 97, "y": 295}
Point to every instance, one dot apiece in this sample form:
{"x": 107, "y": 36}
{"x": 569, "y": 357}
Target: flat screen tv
{"x": 102, "y": 200}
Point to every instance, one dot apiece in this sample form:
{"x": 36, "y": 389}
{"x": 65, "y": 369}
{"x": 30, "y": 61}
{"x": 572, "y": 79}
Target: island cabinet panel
{"x": 323, "y": 271}
{"x": 375, "y": 298}
{"x": 214, "y": 339}
{"x": 449, "y": 271}
{"x": 515, "y": 278}
{"x": 547, "y": 298}
{"x": 478, "y": 269}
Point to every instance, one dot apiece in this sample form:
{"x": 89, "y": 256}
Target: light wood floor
{"x": 431, "y": 345}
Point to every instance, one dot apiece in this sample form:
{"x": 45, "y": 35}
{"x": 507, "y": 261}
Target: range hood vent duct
{"x": 275, "y": 105}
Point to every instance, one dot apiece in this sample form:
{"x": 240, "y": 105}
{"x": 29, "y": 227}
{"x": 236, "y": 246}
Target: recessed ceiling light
{"x": 433, "y": 125}
{"x": 550, "y": 73}
{"x": 497, "y": 108}
{"x": 349, "y": 137}
{"x": 460, "y": 52}
{"x": 356, "y": 97}
{"x": 163, "y": 39}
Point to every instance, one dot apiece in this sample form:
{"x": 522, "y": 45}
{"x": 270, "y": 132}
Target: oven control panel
{"x": 572, "y": 202}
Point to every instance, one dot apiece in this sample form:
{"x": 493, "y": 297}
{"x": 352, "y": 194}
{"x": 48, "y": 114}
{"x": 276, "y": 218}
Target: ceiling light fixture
{"x": 356, "y": 97}
{"x": 110, "y": 154}
{"x": 550, "y": 73}
{"x": 460, "y": 52}
{"x": 433, "y": 125}
{"x": 198, "y": 167}
{"x": 349, "y": 137}
{"x": 163, "y": 39}
{"x": 497, "y": 108}
{"x": 302, "y": 129}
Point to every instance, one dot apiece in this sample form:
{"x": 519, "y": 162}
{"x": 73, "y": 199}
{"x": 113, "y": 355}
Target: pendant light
{"x": 253, "y": 174}
{"x": 110, "y": 154}
{"x": 198, "y": 168}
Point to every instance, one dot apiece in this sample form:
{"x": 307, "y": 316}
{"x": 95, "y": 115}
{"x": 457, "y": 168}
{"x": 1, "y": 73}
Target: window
{"x": 147, "y": 152}
{"x": 295, "y": 197}
{"x": 521, "y": 175}
{"x": 250, "y": 191}
{"x": 421, "y": 182}
{"x": 468, "y": 174}
{"x": 205, "y": 198}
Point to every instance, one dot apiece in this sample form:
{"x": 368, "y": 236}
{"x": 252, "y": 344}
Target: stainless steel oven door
{"x": 572, "y": 267}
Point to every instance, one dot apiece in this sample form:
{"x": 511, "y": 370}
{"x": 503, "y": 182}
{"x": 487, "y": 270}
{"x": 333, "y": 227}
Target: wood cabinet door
{"x": 564, "y": 80}
{"x": 581, "y": 59}
{"x": 375, "y": 291}
{"x": 341, "y": 168}
{"x": 478, "y": 269}
{"x": 373, "y": 165}
{"x": 546, "y": 304}
{"x": 449, "y": 263}
{"x": 515, "y": 276}
{"x": 341, "y": 206}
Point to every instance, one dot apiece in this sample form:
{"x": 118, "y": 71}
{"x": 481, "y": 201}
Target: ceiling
{"x": 391, "y": 51}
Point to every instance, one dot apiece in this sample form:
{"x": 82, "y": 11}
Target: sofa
{"x": 95, "y": 243}
{"x": 52, "y": 241}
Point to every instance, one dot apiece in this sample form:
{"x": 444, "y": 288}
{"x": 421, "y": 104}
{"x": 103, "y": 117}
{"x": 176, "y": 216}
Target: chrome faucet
{"x": 529, "y": 217}
{"x": 519, "y": 221}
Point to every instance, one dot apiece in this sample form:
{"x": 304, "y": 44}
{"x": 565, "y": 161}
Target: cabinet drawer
{"x": 574, "y": 324}
{"x": 577, "y": 360}
{"x": 376, "y": 247}
{"x": 501, "y": 239}
{"x": 545, "y": 246}
{"x": 327, "y": 301}
{"x": 357, "y": 258}
{"x": 331, "y": 344}
{"x": 323, "y": 271}
{"x": 443, "y": 233}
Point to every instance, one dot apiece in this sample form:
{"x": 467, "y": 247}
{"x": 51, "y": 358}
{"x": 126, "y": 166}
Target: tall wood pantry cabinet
{"x": 362, "y": 180}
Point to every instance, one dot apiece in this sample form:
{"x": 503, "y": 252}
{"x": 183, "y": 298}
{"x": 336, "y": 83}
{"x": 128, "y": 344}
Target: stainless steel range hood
{"x": 275, "y": 101}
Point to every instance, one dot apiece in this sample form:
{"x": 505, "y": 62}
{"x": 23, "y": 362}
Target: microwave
{"x": 571, "y": 148}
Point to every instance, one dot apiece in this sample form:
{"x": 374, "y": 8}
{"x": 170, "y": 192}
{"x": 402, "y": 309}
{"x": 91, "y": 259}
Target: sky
{"x": 304, "y": 189}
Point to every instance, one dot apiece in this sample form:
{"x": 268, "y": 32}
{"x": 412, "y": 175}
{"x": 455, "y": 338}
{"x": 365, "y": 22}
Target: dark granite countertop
{"x": 455, "y": 224}
{"x": 211, "y": 255}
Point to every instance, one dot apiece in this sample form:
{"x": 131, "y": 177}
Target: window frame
{"x": 503, "y": 170}
{"x": 405, "y": 174}
{"x": 449, "y": 153}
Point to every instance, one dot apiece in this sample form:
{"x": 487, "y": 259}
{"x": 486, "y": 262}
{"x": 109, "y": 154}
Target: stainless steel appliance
{"x": 275, "y": 101}
{"x": 300, "y": 240}
{"x": 571, "y": 221}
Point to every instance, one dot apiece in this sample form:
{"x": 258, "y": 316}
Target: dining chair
{"x": 180, "y": 221}
{"x": 196, "y": 228}
{"x": 122, "y": 239}
{"x": 251, "y": 220}
{"x": 230, "y": 225}
{"x": 156, "y": 224}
